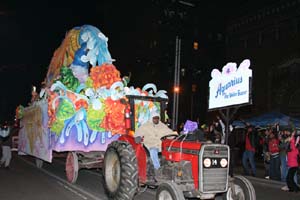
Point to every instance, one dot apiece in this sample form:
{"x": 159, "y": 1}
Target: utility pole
{"x": 194, "y": 88}
{"x": 176, "y": 88}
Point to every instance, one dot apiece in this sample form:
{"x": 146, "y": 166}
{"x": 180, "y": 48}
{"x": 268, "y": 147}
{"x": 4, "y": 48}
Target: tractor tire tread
{"x": 129, "y": 171}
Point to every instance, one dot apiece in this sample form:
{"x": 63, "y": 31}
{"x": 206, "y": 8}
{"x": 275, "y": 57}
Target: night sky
{"x": 141, "y": 39}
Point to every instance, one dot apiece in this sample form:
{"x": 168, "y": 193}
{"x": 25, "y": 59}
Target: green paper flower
{"x": 95, "y": 117}
{"x": 65, "y": 110}
{"x": 57, "y": 126}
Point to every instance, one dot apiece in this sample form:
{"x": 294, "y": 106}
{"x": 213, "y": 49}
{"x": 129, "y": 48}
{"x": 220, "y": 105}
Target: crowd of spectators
{"x": 281, "y": 155}
{"x": 277, "y": 147}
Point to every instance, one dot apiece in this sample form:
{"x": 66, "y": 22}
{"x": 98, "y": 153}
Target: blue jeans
{"x": 154, "y": 157}
{"x": 284, "y": 168}
{"x": 249, "y": 155}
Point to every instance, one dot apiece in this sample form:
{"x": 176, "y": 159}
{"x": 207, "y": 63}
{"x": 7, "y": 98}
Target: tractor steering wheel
{"x": 169, "y": 136}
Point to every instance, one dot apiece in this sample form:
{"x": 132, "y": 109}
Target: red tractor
{"x": 189, "y": 169}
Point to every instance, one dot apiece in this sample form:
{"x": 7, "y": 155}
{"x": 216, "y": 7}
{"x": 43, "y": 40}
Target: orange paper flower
{"x": 104, "y": 75}
{"x": 114, "y": 120}
{"x": 51, "y": 111}
{"x": 81, "y": 104}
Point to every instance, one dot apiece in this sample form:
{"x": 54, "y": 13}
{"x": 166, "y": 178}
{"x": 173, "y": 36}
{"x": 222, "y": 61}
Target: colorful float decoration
{"x": 86, "y": 95}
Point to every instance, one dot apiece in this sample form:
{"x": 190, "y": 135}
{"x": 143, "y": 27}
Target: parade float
{"x": 84, "y": 104}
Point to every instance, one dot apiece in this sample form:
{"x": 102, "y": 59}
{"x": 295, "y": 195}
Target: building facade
{"x": 270, "y": 37}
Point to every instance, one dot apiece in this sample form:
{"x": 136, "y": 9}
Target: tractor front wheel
{"x": 240, "y": 189}
{"x": 120, "y": 171}
{"x": 169, "y": 191}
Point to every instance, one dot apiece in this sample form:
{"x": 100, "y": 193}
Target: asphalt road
{"x": 24, "y": 181}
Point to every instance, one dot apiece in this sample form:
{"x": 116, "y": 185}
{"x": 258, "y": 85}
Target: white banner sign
{"x": 231, "y": 87}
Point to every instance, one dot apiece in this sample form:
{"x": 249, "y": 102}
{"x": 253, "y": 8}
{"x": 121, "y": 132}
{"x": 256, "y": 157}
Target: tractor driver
{"x": 151, "y": 132}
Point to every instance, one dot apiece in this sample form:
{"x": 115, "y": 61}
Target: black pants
{"x": 290, "y": 179}
{"x": 232, "y": 162}
{"x": 275, "y": 168}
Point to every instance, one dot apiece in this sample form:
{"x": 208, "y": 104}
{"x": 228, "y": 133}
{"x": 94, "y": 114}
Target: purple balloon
{"x": 189, "y": 126}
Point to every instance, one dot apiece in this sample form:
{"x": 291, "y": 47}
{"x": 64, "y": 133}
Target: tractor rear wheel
{"x": 241, "y": 189}
{"x": 169, "y": 191}
{"x": 120, "y": 171}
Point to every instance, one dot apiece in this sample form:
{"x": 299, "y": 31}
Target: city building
{"x": 269, "y": 35}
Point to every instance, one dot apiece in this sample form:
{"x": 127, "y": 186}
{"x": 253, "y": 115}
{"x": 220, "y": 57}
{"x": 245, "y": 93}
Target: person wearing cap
{"x": 151, "y": 133}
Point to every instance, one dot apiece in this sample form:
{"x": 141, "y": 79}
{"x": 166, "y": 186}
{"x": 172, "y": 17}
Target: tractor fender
{"x": 141, "y": 156}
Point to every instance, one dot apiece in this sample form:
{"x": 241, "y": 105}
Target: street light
{"x": 195, "y": 45}
{"x": 176, "y": 89}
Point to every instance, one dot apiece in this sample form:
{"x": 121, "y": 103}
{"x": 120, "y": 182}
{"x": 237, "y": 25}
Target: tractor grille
{"x": 214, "y": 178}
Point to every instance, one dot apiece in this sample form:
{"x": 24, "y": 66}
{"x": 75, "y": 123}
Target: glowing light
{"x": 223, "y": 162}
{"x": 196, "y": 45}
{"x": 176, "y": 89}
{"x": 207, "y": 162}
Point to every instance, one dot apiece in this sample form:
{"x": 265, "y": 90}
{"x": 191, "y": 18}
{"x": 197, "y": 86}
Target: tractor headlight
{"x": 223, "y": 162}
{"x": 207, "y": 162}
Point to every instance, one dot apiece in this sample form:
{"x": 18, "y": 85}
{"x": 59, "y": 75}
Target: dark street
{"x": 24, "y": 181}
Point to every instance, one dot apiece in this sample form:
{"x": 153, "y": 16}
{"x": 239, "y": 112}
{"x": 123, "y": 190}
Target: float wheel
{"x": 72, "y": 167}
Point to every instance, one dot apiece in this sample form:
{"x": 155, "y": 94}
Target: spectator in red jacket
{"x": 274, "y": 156}
{"x": 250, "y": 147}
